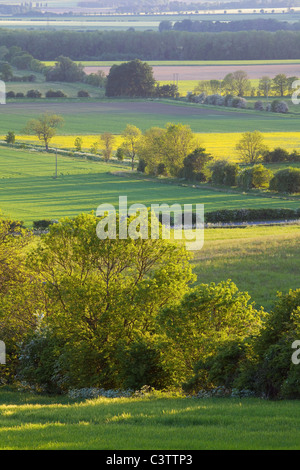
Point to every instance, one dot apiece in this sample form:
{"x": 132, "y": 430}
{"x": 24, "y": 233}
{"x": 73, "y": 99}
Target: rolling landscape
{"x": 136, "y": 343}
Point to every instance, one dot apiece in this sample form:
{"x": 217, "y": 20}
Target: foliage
{"x": 224, "y": 173}
{"x": 286, "y": 181}
{"x": 133, "y": 78}
{"x": 208, "y": 316}
{"x": 44, "y": 127}
{"x": 251, "y": 147}
{"x": 108, "y": 139}
{"x": 256, "y": 177}
{"x": 10, "y": 137}
{"x": 101, "y": 296}
{"x": 65, "y": 70}
{"x": 195, "y": 165}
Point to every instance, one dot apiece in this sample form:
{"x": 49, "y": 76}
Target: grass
{"x": 29, "y": 192}
{"x": 113, "y": 116}
{"x": 30, "y": 422}
{"x": 259, "y": 260}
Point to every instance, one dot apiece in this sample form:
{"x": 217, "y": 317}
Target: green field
{"x": 30, "y": 422}
{"x": 29, "y": 192}
{"x": 113, "y": 116}
{"x": 259, "y": 260}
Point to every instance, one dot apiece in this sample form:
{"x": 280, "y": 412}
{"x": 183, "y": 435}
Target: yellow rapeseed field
{"x": 220, "y": 145}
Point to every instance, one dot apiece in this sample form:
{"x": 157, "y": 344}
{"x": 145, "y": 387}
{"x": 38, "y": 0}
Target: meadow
{"x": 31, "y": 422}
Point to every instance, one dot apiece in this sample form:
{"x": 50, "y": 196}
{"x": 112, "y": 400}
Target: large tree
{"x": 133, "y": 78}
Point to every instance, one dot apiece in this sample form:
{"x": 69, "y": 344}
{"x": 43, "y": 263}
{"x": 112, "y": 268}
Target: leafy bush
{"x": 278, "y": 106}
{"x": 83, "y": 94}
{"x": 224, "y": 173}
{"x": 286, "y": 181}
{"x": 55, "y": 94}
{"x": 42, "y": 224}
{"x": 256, "y": 177}
{"x": 259, "y": 106}
{"x": 251, "y": 215}
{"x": 33, "y": 94}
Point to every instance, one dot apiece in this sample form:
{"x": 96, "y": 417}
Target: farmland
{"x": 113, "y": 115}
{"x": 80, "y": 314}
{"x": 29, "y": 192}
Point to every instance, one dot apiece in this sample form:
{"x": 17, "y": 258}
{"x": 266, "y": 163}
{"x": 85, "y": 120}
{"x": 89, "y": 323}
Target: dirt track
{"x": 207, "y": 72}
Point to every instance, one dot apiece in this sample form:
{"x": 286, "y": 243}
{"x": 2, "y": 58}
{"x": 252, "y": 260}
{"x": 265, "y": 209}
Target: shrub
{"x": 83, "y": 94}
{"x": 10, "y": 94}
{"x": 42, "y": 224}
{"x": 256, "y": 177}
{"x": 55, "y": 94}
{"x": 239, "y": 102}
{"x": 278, "y": 106}
{"x": 10, "y": 137}
{"x": 276, "y": 155}
{"x": 224, "y": 173}
{"x": 20, "y": 95}
{"x": 142, "y": 165}
{"x": 286, "y": 181}
{"x": 259, "y": 106}
{"x": 33, "y": 94}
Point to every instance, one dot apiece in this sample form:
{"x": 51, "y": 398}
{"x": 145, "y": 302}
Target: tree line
{"x": 258, "y": 24}
{"x": 153, "y": 45}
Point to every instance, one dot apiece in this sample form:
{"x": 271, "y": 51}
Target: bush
{"x": 286, "y": 181}
{"x": 55, "y": 94}
{"x": 224, "y": 173}
{"x": 239, "y": 102}
{"x": 251, "y": 215}
{"x": 276, "y": 155}
{"x": 278, "y": 106}
{"x": 10, "y": 94}
{"x": 42, "y": 224}
{"x": 20, "y": 95}
{"x": 256, "y": 177}
{"x": 33, "y": 94}
{"x": 142, "y": 165}
{"x": 259, "y": 106}
{"x": 10, "y": 137}
{"x": 83, "y": 94}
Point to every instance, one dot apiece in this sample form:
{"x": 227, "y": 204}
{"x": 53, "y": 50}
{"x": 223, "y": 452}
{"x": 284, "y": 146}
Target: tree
{"x": 251, "y": 147}
{"x": 207, "y": 316}
{"x": 236, "y": 83}
{"x": 103, "y": 296}
{"x": 131, "y": 137}
{"x": 195, "y": 165}
{"x": 45, "y": 127}
{"x": 108, "y": 140}
{"x": 10, "y": 137}
{"x": 133, "y": 78}
{"x": 265, "y": 85}
{"x": 65, "y": 70}
{"x": 6, "y": 72}
{"x": 280, "y": 84}
{"x": 78, "y": 144}
{"x": 178, "y": 141}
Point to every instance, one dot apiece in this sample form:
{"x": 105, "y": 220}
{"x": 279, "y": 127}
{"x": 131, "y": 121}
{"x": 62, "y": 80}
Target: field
{"x": 52, "y": 423}
{"x": 94, "y": 117}
{"x": 259, "y": 260}
{"x": 29, "y": 192}
{"x": 220, "y": 145}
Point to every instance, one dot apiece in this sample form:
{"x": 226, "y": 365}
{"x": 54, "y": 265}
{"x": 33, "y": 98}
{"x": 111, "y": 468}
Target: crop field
{"x": 28, "y": 421}
{"x": 94, "y": 117}
{"x": 219, "y": 145}
{"x": 217, "y": 72}
{"x": 29, "y": 192}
